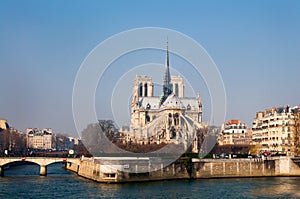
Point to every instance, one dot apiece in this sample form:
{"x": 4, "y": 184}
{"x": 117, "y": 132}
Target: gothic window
{"x": 173, "y": 133}
{"x": 146, "y": 89}
{"x": 148, "y": 106}
{"x": 176, "y": 119}
{"x": 141, "y": 90}
{"x": 188, "y": 107}
{"x": 176, "y": 89}
{"x": 170, "y": 119}
{"x": 147, "y": 118}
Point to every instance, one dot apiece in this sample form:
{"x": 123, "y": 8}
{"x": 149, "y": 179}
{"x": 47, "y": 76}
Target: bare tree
{"x": 98, "y": 137}
{"x": 12, "y": 141}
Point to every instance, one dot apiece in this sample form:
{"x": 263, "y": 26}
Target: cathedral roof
{"x": 189, "y": 103}
{"x": 172, "y": 101}
{"x": 149, "y": 102}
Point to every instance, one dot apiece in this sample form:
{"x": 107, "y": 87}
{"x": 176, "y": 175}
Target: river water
{"x": 23, "y": 181}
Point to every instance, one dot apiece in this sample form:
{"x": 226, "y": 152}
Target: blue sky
{"x": 255, "y": 45}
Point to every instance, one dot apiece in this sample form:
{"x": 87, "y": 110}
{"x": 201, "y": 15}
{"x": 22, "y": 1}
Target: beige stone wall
{"x": 277, "y": 166}
{"x": 233, "y": 168}
{"x": 97, "y": 172}
{"x": 201, "y": 168}
{"x": 72, "y": 167}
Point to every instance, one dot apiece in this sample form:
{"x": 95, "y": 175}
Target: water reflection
{"x": 278, "y": 187}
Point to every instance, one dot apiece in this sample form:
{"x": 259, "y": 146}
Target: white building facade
{"x": 39, "y": 139}
{"x": 274, "y": 131}
{"x": 234, "y": 132}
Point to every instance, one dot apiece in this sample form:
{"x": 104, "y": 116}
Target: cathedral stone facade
{"x": 168, "y": 118}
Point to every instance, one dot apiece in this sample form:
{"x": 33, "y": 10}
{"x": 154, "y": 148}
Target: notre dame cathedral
{"x": 169, "y": 118}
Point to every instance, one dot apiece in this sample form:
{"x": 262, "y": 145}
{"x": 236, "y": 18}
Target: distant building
{"x": 73, "y": 141}
{"x": 39, "y": 139}
{"x": 235, "y": 133}
{"x": 124, "y": 133}
{"x": 62, "y": 142}
{"x": 3, "y": 125}
{"x": 273, "y": 129}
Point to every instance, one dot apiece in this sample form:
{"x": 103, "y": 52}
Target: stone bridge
{"x": 43, "y": 162}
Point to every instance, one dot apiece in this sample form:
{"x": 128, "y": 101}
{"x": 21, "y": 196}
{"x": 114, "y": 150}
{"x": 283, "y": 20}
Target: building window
{"x": 147, "y": 118}
{"x": 146, "y": 90}
{"x": 148, "y": 106}
{"x": 176, "y": 119}
{"x": 188, "y": 107}
{"x": 141, "y": 90}
{"x": 170, "y": 119}
{"x": 109, "y": 175}
{"x": 176, "y": 89}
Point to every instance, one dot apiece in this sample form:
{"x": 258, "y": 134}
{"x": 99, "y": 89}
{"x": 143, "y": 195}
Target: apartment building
{"x": 39, "y": 139}
{"x": 274, "y": 129}
{"x": 235, "y": 132}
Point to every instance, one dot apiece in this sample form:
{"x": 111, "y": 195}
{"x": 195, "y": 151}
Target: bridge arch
{"x": 43, "y": 162}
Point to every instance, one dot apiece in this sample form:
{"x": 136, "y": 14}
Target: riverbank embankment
{"x": 136, "y": 169}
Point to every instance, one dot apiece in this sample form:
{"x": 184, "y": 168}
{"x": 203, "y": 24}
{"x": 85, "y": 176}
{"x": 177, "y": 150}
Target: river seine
{"x": 23, "y": 181}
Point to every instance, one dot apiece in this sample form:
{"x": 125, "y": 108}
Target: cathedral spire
{"x": 167, "y": 87}
{"x": 167, "y": 60}
{"x": 199, "y": 100}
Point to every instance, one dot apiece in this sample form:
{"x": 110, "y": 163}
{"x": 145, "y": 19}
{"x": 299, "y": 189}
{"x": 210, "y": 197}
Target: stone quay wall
{"x": 221, "y": 168}
{"x": 197, "y": 168}
{"x": 91, "y": 169}
{"x": 256, "y": 167}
